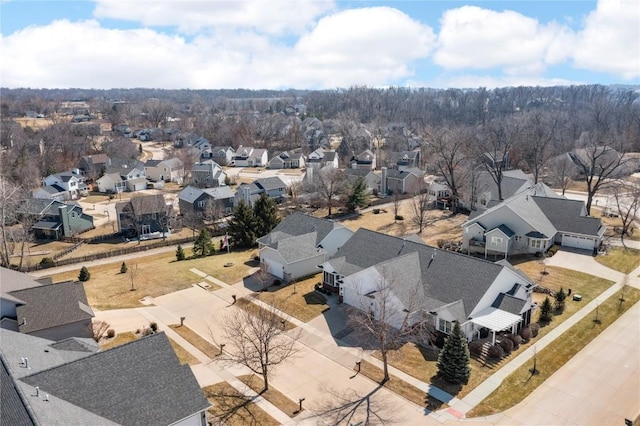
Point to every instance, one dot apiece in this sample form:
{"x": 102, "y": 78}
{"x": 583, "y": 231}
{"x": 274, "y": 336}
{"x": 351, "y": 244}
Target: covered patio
{"x": 496, "y": 320}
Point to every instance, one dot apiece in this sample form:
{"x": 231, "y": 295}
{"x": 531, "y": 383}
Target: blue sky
{"x": 317, "y": 44}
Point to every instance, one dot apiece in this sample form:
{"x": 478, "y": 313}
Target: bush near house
{"x": 526, "y": 334}
{"x": 506, "y": 345}
{"x": 84, "y": 275}
{"x": 496, "y": 352}
{"x": 535, "y": 329}
{"x": 475, "y": 347}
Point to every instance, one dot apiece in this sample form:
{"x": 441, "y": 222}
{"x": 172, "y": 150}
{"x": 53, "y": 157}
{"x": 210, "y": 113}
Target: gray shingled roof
{"x": 270, "y": 183}
{"x": 139, "y": 383}
{"x": 146, "y": 204}
{"x": 190, "y": 194}
{"x": 566, "y": 215}
{"x": 13, "y": 410}
{"x": 219, "y": 193}
{"x": 297, "y": 247}
{"x": 52, "y": 305}
{"x": 508, "y": 303}
{"x": 446, "y": 276}
{"x": 152, "y": 163}
{"x": 11, "y": 281}
{"x": 299, "y": 224}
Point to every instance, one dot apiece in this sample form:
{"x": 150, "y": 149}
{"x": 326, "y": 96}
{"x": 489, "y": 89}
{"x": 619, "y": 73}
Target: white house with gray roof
{"x": 298, "y": 244}
{"x": 246, "y": 156}
{"x": 73, "y": 382}
{"x": 531, "y": 222}
{"x": 419, "y": 283}
{"x": 169, "y": 170}
{"x": 274, "y": 187}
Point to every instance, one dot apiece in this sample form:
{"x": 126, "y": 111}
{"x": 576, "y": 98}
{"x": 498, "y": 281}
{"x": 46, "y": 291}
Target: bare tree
{"x": 10, "y": 199}
{"x": 257, "y": 340}
{"x": 495, "y": 143}
{"x": 377, "y": 317}
{"x": 156, "y": 111}
{"x": 133, "y": 272}
{"x": 328, "y": 183}
{"x": 419, "y": 206}
{"x": 98, "y": 329}
{"x": 562, "y": 172}
{"x": 627, "y": 205}
{"x": 396, "y": 206}
{"x": 538, "y": 131}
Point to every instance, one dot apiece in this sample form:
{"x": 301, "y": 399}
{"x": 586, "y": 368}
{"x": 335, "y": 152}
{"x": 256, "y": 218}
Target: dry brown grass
{"x": 119, "y": 339}
{"x": 203, "y": 345}
{"x": 274, "y": 396}
{"x": 304, "y": 304}
{"x": 156, "y": 275}
{"x": 183, "y": 355}
{"x": 254, "y": 309}
{"x": 620, "y": 259}
{"x": 394, "y": 384}
{"x": 232, "y": 408}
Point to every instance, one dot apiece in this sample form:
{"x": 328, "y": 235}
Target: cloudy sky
{"x": 317, "y": 44}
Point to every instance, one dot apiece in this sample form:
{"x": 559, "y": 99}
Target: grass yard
{"x": 183, "y": 355}
{"x": 305, "y": 304}
{"x": 274, "y": 396}
{"x": 612, "y": 222}
{"x": 395, "y": 384}
{"x": 231, "y": 408}
{"x": 254, "y": 309}
{"x": 156, "y": 275}
{"x": 620, "y": 259}
{"x": 119, "y": 339}
{"x": 207, "y": 348}
{"x": 521, "y": 383}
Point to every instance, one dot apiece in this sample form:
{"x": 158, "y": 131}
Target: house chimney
{"x": 383, "y": 181}
{"x": 26, "y": 363}
{"x": 37, "y": 391}
{"x": 46, "y": 397}
{"x": 64, "y": 219}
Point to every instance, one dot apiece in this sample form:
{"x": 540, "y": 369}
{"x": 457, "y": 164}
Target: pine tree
{"x": 84, "y": 275}
{"x": 243, "y": 225}
{"x": 203, "y": 245}
{"x": 265, "y": 212}
{"x": 561, "y": 296}
{"x": 545, "y": 310}
{"x": 180, "y": 253}
{"x": 358, "y": 195}
{"x": 123, "y": 268}
{"x": 453, "y": 361}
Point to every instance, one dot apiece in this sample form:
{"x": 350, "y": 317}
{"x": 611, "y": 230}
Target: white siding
{"x": 335, "y": 239}
{"x": 198, "y": 419}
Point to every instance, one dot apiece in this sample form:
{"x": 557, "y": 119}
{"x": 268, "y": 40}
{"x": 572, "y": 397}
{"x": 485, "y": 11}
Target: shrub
{"x": 137, "y": 331}
{"x": 146, "y": 331}
{"x": 515, "y": 339}
{"x": 496, "y": 352}
{"x": 46, "y": 261}
{"x": 277, "y": 282}
{"x": 153, "y": 326}
{"x": 535, "y": 329}
{"x": 180, "y": 253}
{"x": 376, "y": 211}
{"x": 84, "y": 275}
{"x": 399, "y": 217}
{"x": 507, "y": 345}
{"x": 553, "y": 250}
{"x": 526, "y": 334}
{"x": 561, "y": 297}
{"x": 475, "y": 347}
{"x": 545, "y": 310}
{"x": 111, "y": 333}
{"x": 123, "y": 268}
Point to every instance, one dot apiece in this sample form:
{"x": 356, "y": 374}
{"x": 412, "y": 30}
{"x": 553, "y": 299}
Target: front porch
{"x": 496, "y": 321}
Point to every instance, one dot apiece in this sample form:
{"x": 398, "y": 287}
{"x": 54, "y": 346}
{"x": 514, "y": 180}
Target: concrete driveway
{"x": 581, "y": 260}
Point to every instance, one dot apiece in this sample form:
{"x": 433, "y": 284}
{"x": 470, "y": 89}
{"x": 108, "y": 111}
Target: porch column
{"x": 493, "y": 337}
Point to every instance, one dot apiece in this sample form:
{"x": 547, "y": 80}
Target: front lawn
{"x": 155, "y": 276}
{"x": 230, "y": 407}
{"x": 183, "y": 355}
{"x": 274, "y": 396}
{"x": 620, "y": 259}
{"x": 203, "y": 345}
{"x": 299, "y": 300}
{"x": 117, "y": 340}
{"x": 521, "y": 382}
{"x": 395, "y": 384}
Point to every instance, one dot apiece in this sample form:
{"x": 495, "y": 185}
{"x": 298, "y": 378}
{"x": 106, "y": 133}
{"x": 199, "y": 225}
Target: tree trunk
{"x": 265, "y": 378}
{"x": 385, "y": 365}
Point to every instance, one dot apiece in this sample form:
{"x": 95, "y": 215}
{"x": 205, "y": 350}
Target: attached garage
{"x": 273, "y": 267}
{"x": 579, "y": 242}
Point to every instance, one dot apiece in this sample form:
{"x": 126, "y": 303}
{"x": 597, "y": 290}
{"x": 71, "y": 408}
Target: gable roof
{"x": 14, "y": 410}
{"x": 11, "y": 281}
{"x": 146, "y": 204}
{"x": 270, "y": 183}
{"x": 566, "y": 215}
{"x": 300, "y": 224}
{"x": 52, "y": 305}
{"x": 152, "y": 163}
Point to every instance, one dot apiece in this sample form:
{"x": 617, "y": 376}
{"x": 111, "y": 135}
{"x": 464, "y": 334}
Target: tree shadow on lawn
{"x": 350, "y": 407}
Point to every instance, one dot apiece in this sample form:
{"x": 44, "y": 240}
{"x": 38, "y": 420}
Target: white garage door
{"x": 577, "y": 242}
{"x": 274, "y": 268}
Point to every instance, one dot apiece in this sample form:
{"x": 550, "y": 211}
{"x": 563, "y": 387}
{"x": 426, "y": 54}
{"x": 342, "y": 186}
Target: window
{"x": 535, "y": 243}
{"x": 517, "y": 238}
{"x": 201, "y": 204}
{"x": 329, "y": 279}
{"x": 496, "y": 241}
{"x": 445, "y": 326}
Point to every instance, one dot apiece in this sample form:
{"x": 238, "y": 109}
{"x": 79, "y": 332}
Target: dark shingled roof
{"x": 446, "y": 276}
{"x": 52, "y": 305}
{"x": 13, "y": 411}
{"x": 139, "y": 383}
{"x": 299, "y": 224}
{"x": 566, "y": 215}
{"x": 508, "y": 303}
{"x": 270, "y": 183}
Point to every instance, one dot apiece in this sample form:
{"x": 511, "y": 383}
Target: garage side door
{"x": 577, "y": 242}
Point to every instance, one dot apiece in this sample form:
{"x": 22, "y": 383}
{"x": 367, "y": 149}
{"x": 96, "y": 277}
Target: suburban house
{"x": 400, "y": 181}
{"x": 223, "y": 155}
{"x": 92, "y": 166}
{"x": 366, "y": 160}
{"x": 169, "y": 170}
{"x": 371, "y": 179}
{"x": 287, "y": 160}
{"x": 531, "y": 222}
{"x": 298, "y": 244}
{"x": 51, "y": 192}
{"x": 144, "y": 217}
{"x": 214, "y": 202}
{"x": 73, "y": 382}
{"x": 54, "y": 219}
{"x": 417, "y": 283}
{"x": 246, "y": 156}
{"x": 71, "y": 183}
{"x": 439, "y": 191}
{"x": 39, "y": 308}
{"x": 202, "y": 144}
{"x": 483, "y": 191}
{"x": 207, "y": 174}
{"x": 274, "y": 187}
{"x": 404, "y": 160}
{"x": 321, "y": 158}
{"x": 125, "y": 176}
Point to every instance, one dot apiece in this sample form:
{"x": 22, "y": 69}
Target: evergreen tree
{"x": 84, "y": 275}
{"x": 123, "y": 268}
{"x": 243, "y": 225}
{"x": 180, "y": 253}
{"x": 358, "y": 195}
{"x": 203, "y": 245}
{"x": 545, "y": 310}
{"x": 453, "y": 361}
{"x": 561, "y": 296}
{"x": 265, "y": 211}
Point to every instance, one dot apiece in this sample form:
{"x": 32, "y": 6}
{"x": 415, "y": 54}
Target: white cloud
{"x": 272, "y": 16}
{"x": 476, "y": 38}
{"x": 472, "y": 81}
{"x": 610, "y": 40}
